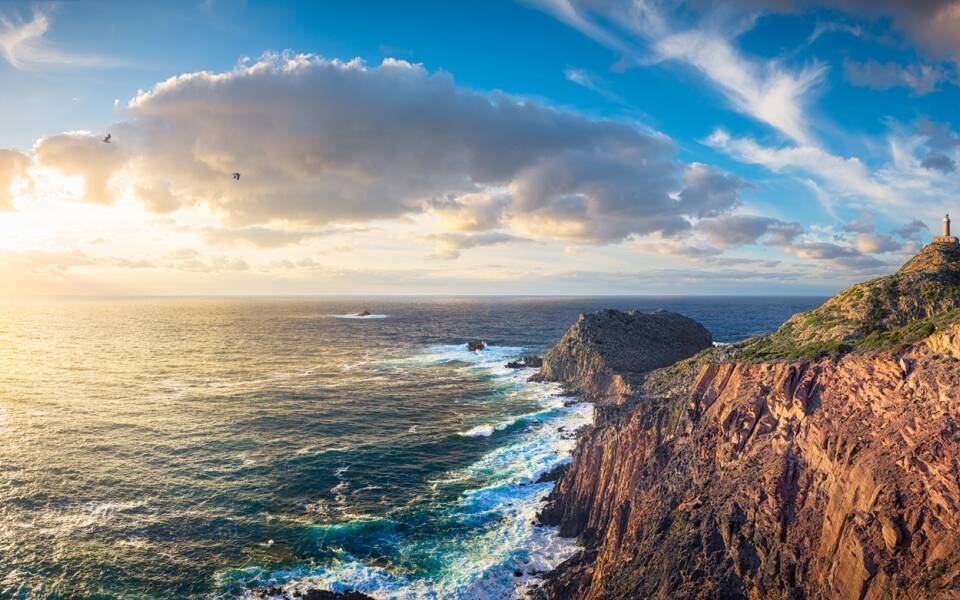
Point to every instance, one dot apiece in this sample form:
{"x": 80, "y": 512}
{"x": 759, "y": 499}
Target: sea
{"x": 212, "y": 448}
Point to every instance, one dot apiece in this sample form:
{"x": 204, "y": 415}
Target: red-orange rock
{"x": 824, "y": 479}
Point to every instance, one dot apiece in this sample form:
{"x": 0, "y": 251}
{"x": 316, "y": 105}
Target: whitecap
{"x": 481, "y": 564}
{"x": 478, "y": 431}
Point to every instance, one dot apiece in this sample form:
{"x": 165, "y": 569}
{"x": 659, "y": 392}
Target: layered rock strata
{"x": 727, "y": 475}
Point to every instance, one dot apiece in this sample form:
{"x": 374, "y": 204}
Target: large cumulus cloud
{"x": 319, "y": 141}
{"x": 13, "y": 165}
{"x": 82, "y": 155}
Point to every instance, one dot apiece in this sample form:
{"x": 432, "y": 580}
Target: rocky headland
{"x": 819, "y": 461}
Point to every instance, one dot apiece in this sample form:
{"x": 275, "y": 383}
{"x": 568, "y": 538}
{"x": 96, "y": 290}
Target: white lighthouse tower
{"x": 946, "y": 238}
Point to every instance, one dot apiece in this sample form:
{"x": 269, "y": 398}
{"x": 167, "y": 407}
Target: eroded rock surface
{"x": 605, "y": 352}
{"x": 723, "y": 476}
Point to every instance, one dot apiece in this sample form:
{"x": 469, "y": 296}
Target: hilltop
{"x": 879, "y": 314}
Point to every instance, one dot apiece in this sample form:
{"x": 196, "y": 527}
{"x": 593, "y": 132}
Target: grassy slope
{"x": 881, "y": 314}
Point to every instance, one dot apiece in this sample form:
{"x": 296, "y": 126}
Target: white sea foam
{"x": 478, "y": 431}
{"x": 490, "y": 357}
{"x": 482, "y": 563}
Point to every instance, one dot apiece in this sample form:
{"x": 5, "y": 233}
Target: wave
{"x": 491, "y": 360}
{"x": 481, "y": 543}
{"x": 361, "y": 317}
{"x": 478, "y": 431}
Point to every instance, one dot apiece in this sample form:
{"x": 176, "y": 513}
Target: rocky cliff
{"x": 606, "y": 352}
{"x": 760, "y": 471}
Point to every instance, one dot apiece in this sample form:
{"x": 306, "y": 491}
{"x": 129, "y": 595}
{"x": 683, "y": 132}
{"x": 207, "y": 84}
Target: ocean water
{"x": 207, "y": 448}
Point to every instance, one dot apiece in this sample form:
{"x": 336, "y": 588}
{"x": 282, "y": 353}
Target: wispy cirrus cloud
{"x": 587, "y": 80}
{"x": 766, "y": 90}
{"x": 23, "y": 45}
{"x": 919, "y": 168}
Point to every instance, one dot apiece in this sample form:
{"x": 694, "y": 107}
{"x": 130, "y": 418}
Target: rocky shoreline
{"x": 817, "y": 462}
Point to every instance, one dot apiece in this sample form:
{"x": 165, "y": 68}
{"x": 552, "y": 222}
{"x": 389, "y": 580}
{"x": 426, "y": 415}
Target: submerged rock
{"x": 526, "y": 362}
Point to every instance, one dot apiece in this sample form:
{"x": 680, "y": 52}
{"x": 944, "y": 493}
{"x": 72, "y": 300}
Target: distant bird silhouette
{"x": 236, "y": 176}
{"x": 106, "y": 140}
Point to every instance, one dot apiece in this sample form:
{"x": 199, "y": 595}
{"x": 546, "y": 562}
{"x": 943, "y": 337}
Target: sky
{"x": 576, "y": 147}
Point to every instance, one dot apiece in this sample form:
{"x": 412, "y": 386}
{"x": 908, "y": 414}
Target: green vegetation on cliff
{"x": 880, "y": 314}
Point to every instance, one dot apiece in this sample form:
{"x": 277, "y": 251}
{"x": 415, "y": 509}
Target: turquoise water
{"x": 205, "y": 448}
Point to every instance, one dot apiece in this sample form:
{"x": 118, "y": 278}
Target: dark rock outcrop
{"x": 476, "y": 345}
{"x": 526, "y": 362}
{"x": 603, "y": 354}
{"x": 553, "y": 474}
{"x": 728, "y": 477}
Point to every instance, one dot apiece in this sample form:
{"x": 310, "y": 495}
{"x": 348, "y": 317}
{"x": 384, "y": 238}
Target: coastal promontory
{"x": 819, "y": 461}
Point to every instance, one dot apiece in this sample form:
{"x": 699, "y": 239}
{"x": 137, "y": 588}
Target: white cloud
{"x": 844, "y": 176}
{"x": 765, "y": 90}
{"x": 322, "y": 141}
{"x": 591, "y": 82}
{"x": 13, "y": 166}
{"x": 865, "y": 223}
{"x": 23, "y": 46}
{"x": 877, "y": 243}
{"x": 449, "y": 245}
{"x": 83, "y": 155}
{"x": 731, "y": 231}
{"x": 838, "y": 255}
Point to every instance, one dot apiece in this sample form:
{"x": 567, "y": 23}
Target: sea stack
{"x": 605, "y": 352}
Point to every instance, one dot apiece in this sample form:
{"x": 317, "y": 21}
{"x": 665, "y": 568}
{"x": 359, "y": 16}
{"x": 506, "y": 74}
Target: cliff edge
{"x": 817, "y": 462}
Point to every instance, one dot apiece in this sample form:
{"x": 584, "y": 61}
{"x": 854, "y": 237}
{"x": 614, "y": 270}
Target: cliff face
{"x": 605, "y": 352}
{"x": 727, "y": 477}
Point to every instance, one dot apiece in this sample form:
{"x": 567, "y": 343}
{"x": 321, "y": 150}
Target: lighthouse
{"x": 946, "y": 238}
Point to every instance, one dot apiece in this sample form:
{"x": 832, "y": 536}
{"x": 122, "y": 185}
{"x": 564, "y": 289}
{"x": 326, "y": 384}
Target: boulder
{"x": 476, "y": 345}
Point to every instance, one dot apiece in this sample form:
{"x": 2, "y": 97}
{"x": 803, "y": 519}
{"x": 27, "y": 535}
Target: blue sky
{"x": 654, "y": 147}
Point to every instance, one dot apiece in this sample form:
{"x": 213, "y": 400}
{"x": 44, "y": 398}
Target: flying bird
{"x": 236, "y": 176}
{"x": 106, "y": 140}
